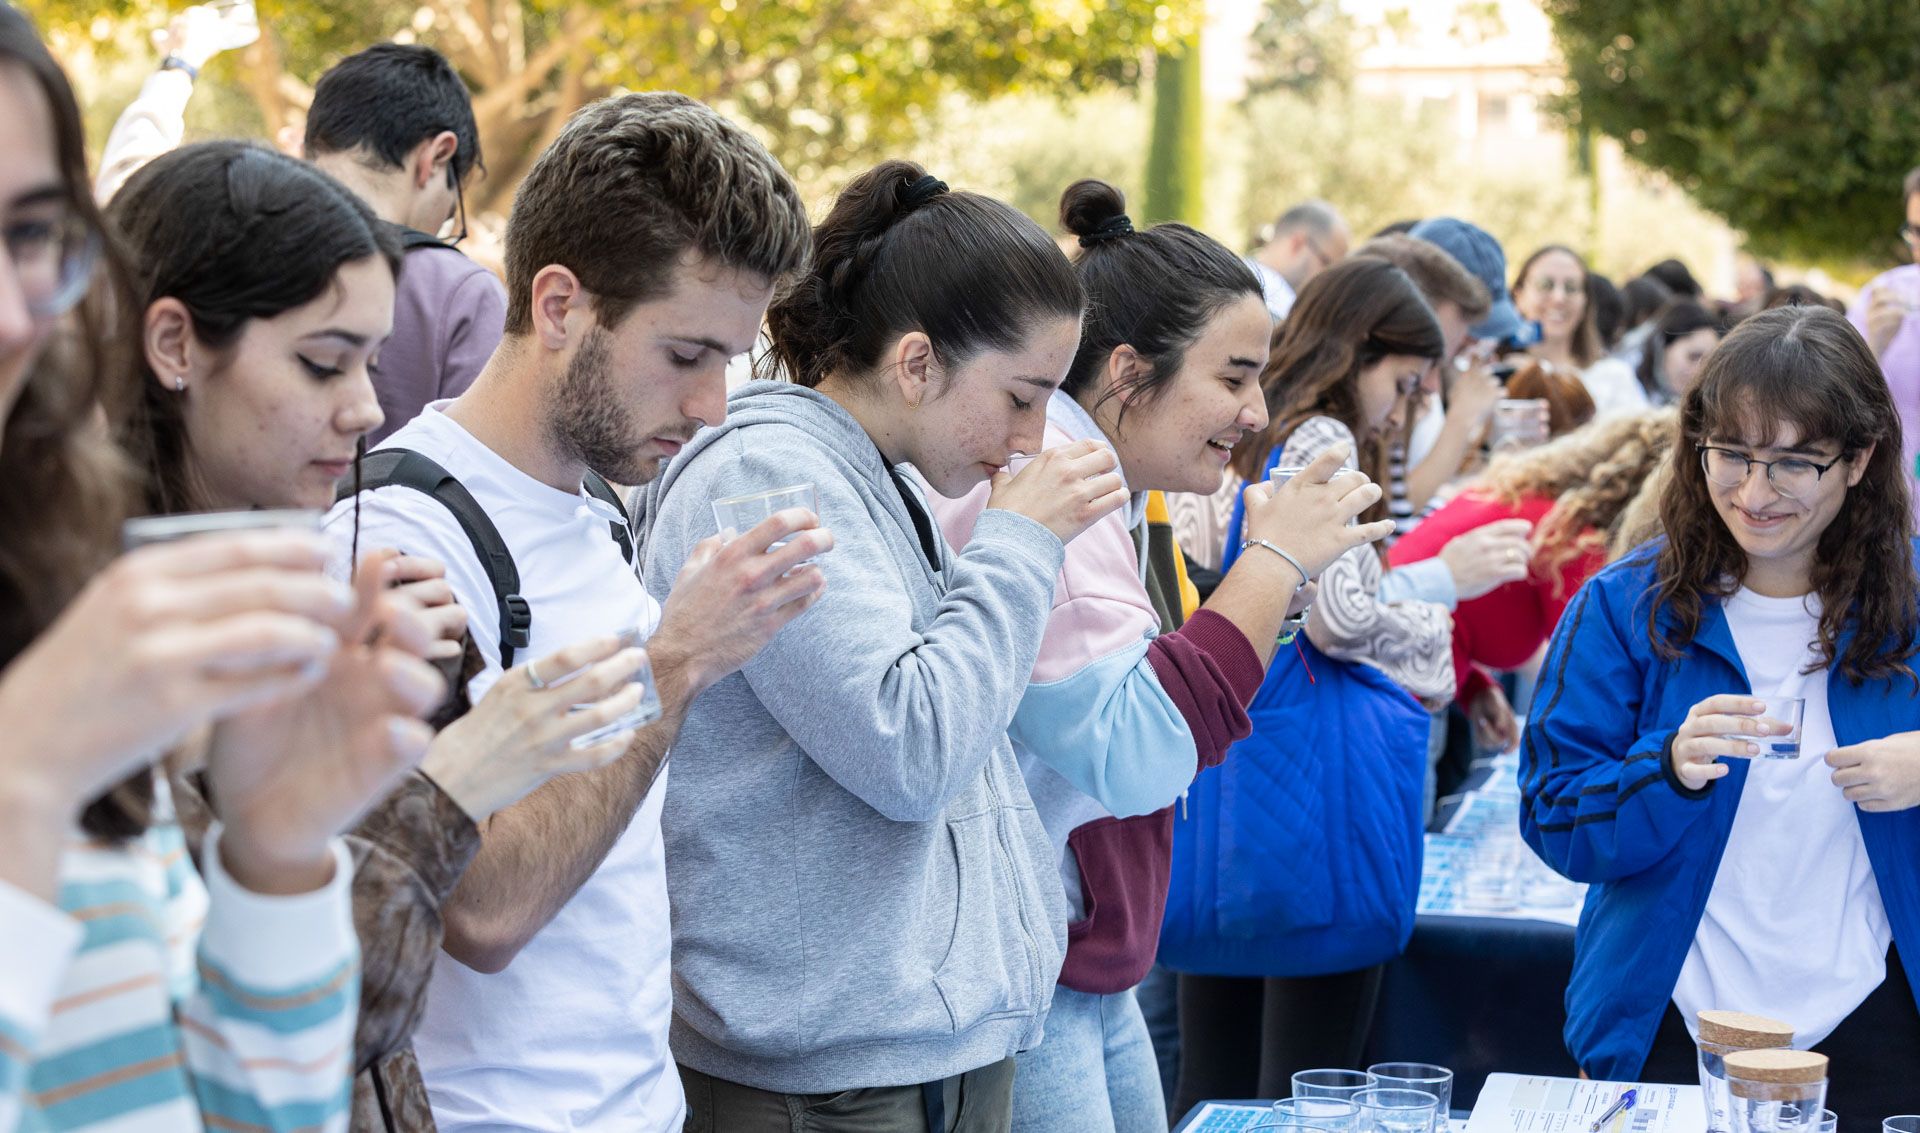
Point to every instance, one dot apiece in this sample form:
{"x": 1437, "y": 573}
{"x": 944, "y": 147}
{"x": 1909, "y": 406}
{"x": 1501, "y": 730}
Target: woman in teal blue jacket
{"x": 1786, "y": 886}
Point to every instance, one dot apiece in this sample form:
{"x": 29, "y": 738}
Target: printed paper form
{"x": 1519, "y": 1103}
{"x": 1216, "y": 1117}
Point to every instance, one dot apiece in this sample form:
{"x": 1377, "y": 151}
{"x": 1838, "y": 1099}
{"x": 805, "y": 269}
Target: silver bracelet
{"x": 1291, "y": 561}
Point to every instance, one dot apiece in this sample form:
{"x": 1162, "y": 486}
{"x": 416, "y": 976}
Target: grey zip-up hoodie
{"x": 863, "y": 894}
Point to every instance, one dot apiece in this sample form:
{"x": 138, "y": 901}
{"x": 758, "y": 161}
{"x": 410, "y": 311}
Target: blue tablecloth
{"x": 1477, "y": 995}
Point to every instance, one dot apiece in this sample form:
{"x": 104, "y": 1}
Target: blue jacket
{"x": 1300, "y": 855}
{"x": 1601, "y": 805}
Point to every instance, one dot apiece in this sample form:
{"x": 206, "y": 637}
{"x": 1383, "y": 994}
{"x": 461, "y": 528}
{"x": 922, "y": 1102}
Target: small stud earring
{"x": 180, "y": 383}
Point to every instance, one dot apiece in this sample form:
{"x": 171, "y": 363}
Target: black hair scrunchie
{"x": 921, "y": 191}
{"x": 1112, "y": 228}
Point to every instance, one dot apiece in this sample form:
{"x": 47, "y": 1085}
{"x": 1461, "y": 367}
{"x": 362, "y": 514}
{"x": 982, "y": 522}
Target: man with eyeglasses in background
{"x": 1306, "y": 240}
{"x": 395, "y": 125}
{"x": 1888, "y": 314}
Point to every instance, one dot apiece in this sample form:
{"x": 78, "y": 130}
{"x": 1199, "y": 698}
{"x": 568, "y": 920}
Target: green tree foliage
{"x": 1301, "y": 46}
{"x": 1026, "y": 149}
{"x": 830, "y": 84}
{"x": 1794, "y": 121}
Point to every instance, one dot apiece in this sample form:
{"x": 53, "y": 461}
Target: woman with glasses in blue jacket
{"x": 1785, "y": 887}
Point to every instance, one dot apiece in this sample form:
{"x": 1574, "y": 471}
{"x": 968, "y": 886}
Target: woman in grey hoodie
{"x": 867, "y": 919}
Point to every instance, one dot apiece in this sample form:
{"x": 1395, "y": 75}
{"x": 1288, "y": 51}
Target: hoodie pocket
{"x": 988, "y": 965}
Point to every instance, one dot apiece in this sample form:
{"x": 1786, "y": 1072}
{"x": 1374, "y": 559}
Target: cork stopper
{"x": 1774, "y": 1075}
{"x": 1742, "y": 1031}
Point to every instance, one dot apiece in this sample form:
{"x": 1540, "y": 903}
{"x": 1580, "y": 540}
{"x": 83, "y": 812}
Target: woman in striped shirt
{"x": 134, "y": 991}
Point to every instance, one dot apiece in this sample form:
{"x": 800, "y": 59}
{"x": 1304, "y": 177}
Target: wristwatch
{"x": 175, "y": 63}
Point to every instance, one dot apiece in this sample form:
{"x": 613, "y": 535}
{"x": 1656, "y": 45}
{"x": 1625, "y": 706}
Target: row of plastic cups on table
{"x": 1388, "y": 1097}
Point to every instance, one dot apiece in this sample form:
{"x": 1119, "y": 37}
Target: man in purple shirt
{"x": 1888, "y": 313}
{"x": 394, "y": 124}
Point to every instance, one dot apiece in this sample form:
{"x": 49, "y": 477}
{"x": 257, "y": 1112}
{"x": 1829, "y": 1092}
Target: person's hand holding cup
{"x": 1066, "y": 489}
{"x": 1310, "y": 511}
{"x": 1733, "y": 726}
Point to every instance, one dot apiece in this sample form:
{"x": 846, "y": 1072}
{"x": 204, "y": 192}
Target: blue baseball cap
{"x": 1481, "y": 255}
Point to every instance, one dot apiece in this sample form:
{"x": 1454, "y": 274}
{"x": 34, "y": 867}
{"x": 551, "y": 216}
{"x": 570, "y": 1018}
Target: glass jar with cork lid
{"x": 1721, "y": 1033}
{"x": 1776, "y": 1091}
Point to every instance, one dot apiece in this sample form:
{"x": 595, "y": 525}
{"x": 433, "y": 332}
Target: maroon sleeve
{"x": 1211, "y": 672}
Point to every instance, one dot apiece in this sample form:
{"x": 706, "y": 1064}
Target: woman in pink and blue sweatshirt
{"x": 1129, "y": 698}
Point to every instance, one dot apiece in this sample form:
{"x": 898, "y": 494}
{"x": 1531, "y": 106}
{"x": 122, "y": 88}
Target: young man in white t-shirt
{"x": 642, "y": 252}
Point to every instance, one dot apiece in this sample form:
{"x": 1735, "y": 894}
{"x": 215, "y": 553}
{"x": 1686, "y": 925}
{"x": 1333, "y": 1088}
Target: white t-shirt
{"x": 573, "y": 1034}
{"x": 1615, "y": 389}
{"x": 1274, "y": 289}
{"x": 1794, "y": 928}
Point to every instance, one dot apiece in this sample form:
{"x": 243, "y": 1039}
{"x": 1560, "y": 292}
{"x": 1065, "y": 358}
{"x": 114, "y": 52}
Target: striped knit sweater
{"x": 150, "y": 1000}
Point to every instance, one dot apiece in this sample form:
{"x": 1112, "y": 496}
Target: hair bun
{"x": 1094, "y": 211}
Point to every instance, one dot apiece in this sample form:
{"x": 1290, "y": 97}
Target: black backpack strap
{"x": 597, "y": 487}
{"x": 408, "y": 469}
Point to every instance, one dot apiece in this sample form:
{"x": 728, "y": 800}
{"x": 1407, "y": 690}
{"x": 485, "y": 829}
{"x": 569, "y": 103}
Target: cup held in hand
{"x": 1781, "y": 720}
{"x": 646, "y": 712}
{"x": 743, "y": 513}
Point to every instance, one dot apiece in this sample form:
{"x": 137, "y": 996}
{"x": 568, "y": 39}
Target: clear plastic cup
{"x": 743, "y": 513}
{"x": 1904, "y": 1123}
{"x": 1829, "y": 1120}
{"x": 1280, "y": 476}
{"x": 1398, "y": 1111}
{"x": 1788, "y": 710}
{"x": 644, "y": 713}
{"x": 1519, "y": 422}
{"x": 1340, "y": 1084}
{"x": 1423, "y": 1076}
{"x": 1332, "y": 1114}
{"x": 1276, "y": 1122}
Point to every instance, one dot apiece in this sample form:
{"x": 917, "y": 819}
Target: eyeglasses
{"x": 53, "y": 259}
{"x": 1791, "y": 477}
{"x": 1541, "y": 285}
{"x": 459, "y": 208}
{"x": 1319, "y": 253}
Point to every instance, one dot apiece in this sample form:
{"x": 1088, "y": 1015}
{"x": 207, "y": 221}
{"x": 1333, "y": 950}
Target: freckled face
{"x": 274, "y": 422}
{"x": 991, "y": 407}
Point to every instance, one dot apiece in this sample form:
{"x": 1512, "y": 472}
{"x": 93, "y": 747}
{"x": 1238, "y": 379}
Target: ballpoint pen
{"x": 1619, "y": 1107}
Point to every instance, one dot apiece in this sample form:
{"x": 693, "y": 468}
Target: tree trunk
{"x": 1176, "y": 149}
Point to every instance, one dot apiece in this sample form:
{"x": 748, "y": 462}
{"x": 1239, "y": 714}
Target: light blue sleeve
{"x": 1112, "y": 731}
{"x": 39, "y": 943}
{"x": 1428, "y": 580}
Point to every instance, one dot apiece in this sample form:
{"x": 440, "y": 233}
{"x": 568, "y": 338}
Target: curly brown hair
{"x": 1593, "y": 474}
{"x": 1803, "y": 369}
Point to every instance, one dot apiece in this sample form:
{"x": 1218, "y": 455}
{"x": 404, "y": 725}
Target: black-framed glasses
{"x": 459, "y": 208}
{"x": 1911, "y": 234}
{"x": 1792, "y": 477}
{"x": 53, "y": 258}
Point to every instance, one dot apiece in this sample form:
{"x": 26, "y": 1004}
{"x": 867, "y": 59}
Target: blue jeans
{"x": 1094, "y": 1070}
{"x": 1159, "y": 996}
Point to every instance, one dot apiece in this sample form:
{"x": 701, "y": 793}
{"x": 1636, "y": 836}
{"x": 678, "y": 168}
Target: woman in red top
{"x": 1574, "y": 491}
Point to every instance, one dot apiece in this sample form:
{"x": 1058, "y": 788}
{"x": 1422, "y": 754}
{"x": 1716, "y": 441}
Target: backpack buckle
{"x": 518, "y": 620}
